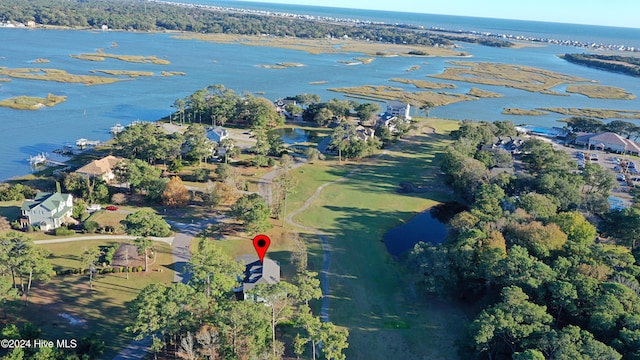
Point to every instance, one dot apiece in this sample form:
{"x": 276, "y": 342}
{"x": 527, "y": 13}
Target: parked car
{"x": 593, "y": 157}
{"x": 634, "y": 171}
{"x": 617, "y": 168}
{"x": 621, "y": 177}
{"x": 112, "y": 208}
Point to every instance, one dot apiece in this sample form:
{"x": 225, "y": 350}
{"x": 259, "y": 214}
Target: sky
{"x": 624, "y": 13}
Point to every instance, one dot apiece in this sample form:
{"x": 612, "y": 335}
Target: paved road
{"x": 265, "y": 181}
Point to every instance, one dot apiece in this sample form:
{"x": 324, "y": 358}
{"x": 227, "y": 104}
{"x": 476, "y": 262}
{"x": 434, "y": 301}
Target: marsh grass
{"x": 385, "y": 93}
{"x": 515, "y": 76}
{"x": 600, "y": 92}
{"x": 32, "y": 103}
{"x": 596, "y": 113}
{"x": 424, "y": 84}
{"x": 101, "y": 56}
{"x": 518, "y": 111}
{"x": 483, "y": 93}
{"x": 56, "y": 75}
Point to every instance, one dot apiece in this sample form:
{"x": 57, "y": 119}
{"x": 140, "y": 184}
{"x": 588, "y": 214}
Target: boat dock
{"x": 83, "y": 143}
{"x": 42, "y": 159}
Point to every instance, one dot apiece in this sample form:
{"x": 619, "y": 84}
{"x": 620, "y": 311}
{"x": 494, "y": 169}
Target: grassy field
{"x": 32, "y": 103}
{"x": 103, "y": 311}
{"x": 601, "y": 92}
{"x": 108, "y": 218}
{"x": 371, "y": 294}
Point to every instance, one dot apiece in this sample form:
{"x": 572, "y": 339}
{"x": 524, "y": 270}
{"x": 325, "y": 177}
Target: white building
{"x": 399, "y": 109}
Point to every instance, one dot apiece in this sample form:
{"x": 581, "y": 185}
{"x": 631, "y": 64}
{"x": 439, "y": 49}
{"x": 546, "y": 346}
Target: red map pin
{"x": 261, "y": 244}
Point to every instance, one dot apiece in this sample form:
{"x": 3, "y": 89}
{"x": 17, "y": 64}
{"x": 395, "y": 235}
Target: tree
{"x": 200, "y": 148}
{"x": 313, "y": 154}
{"x": 146, "y": 223}
{"x": 119, "y": 198}
{"x": 253, "y": 211}
{"x": 175, "y": 194}
{"x": 487, "y": 206}
{"x": 338, "y": 140}
{"x": 574, "y": 343}
{"x": 286, "y": 184}
{"x": 89, "y": 258}
{"x": 540, "y": 207}
{"x": 280, "y": 298}
{"x": 597, "y": 179}
{"x": 308, "y": 286}
{"x": 538, "y": 238}
{"x": 580, "y": 232}
{"x": 426, "y": 107}
{"x": 366, "y": 110}
{"x": 144, "y": 245}
{"x": 212, "y": 270}
{"x": 583, "y": 124}
{"x": 509, "y": 323}
{"x": 334, "y": 341}
{"x": 299, "y": 256}
{"x": 36, "y": 265}
{"x": 137, "y": 173}
{"x": 180, "y": 105}
{"x": 230, "y": 176}
{"x": 323, "y": 117}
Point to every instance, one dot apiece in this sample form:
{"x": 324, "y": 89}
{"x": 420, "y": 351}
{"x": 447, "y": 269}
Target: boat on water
{"x": 116, "y": 129}
{"x": 39, "y": 159}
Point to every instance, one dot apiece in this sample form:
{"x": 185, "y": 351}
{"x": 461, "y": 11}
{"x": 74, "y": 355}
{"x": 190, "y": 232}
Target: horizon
{"x": 614, "y": 13}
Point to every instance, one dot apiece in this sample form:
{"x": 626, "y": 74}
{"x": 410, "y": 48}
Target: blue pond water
{"x": 293, "y": 135}
{"x": 423, "y": 227}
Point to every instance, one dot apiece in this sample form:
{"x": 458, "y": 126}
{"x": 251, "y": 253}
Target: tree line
{"x": 526, "y": 255}
{"x": 584, "y": 124}
{"x": 142, "y": 15}
{"x": 624, "y": 64}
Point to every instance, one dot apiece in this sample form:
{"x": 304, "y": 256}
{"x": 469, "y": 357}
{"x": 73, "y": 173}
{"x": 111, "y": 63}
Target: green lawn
{"x": 103, "y": 311}
{"x": 370, "y": 293}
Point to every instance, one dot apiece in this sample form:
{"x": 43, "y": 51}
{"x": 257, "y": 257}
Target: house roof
{"x": 609, "y": 138}
{"x": 49, "y": 201}
{"x": 100, "y": 166}
{"x": 397, "y": 105}
{"x": 267, "y": 272}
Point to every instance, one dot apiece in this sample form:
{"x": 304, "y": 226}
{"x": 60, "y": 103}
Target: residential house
{"x": 267, "y": 272}
{"x": 47, "y": 210}
{"x": 385, "y": 120}
{"x": 102, "y": 168}
{"x": 217, "y": 134}
{"x": 280, "y": 104}
{"x": 399, "y": 109}
{"x": 608, "y": 141}
{"x": 364, "y": 133}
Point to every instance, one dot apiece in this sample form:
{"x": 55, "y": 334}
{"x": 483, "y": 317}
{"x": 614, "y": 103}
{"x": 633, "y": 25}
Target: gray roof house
{"x": 47, "y": 210}
{"x": 256, "y": 273}
{"x": 217, "y": 134}
{"x": 608, "y": 141}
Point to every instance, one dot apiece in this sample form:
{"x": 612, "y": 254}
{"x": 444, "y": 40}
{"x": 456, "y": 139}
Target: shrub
{"x": 140, "y": 268}
{"x": 63, "y": 230}
{"x": 134, "y": 269}
{"x": 201, "y": 174}
{"x": 90, "y": 226}
{"x": 15, "y": 225}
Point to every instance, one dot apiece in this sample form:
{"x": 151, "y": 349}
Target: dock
{"x": 83, "y": 143}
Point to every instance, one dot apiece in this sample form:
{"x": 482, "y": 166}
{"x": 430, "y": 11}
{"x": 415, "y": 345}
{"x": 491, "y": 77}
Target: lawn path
{"x": 168, "y": 240}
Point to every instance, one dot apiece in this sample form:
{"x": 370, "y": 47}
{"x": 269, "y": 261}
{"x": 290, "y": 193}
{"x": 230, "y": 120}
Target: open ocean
{"x": 539, "y": 29}
{"x": 90, "y": 111}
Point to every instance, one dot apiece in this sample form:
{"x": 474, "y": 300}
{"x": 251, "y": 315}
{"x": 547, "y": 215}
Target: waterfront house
{"x": 267, "y": 272}
{"x": 48, "y": 210}
{"x": 217, "y": 134}
{"x": 399, "y": 109}
{"x": 608, "y": 141}
{"x": 101, "y": 168}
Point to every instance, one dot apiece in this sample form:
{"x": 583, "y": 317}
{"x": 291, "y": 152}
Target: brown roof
{"x": 99, "y": 167}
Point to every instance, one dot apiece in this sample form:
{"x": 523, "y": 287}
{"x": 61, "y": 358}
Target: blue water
{"x": 293, "y": 135}
{"x": 90, "y": 111}
{"x": 423, "y": 227}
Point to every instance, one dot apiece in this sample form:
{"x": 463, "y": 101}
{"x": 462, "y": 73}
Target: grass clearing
{"x": 103, "y": 311}
{"x": 370, "y": 292}
{"x": 108, "y": 218}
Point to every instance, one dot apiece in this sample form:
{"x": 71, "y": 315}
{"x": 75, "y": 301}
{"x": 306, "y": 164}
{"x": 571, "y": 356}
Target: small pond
{"x": 295, "y": 135}
{"x": 428, "y": 226}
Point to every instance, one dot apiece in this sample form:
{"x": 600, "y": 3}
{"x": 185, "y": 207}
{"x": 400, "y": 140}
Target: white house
{"x": 399, "y": 109}
{"x": 217, "y": 134}
{"x": 47, "y": 210}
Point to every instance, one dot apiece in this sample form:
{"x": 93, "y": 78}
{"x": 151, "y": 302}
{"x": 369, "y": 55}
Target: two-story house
{"x": 102, "y": 168}
{"x": 47, "y": 210}
{"x": 267, "y": 272}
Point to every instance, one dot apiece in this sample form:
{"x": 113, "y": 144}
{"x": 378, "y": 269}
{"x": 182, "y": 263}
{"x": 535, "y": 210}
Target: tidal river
{"x": 90, "y": 111}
